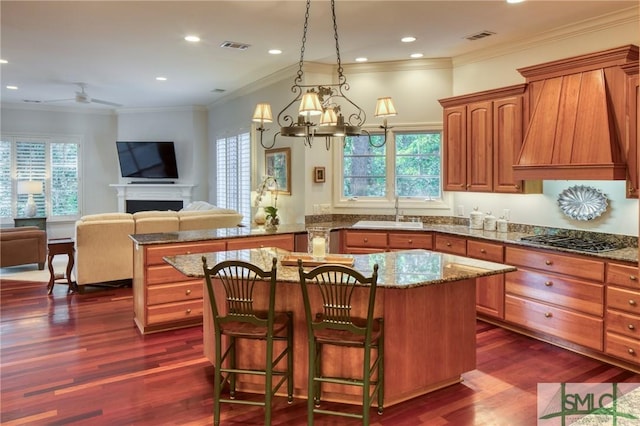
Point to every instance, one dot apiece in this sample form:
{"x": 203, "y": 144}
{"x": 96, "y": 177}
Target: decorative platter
{"x": 582, "y": 202}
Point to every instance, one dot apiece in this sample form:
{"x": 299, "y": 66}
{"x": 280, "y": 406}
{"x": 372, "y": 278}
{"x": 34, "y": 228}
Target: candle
{"x": 318, "y": 246}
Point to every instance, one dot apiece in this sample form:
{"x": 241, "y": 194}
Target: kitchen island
{"x": 427, "y": 300}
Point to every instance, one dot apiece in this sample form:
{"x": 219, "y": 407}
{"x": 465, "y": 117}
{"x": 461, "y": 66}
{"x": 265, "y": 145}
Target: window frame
{"x": 48, "y": 140}
{"x": 419, "y": 204}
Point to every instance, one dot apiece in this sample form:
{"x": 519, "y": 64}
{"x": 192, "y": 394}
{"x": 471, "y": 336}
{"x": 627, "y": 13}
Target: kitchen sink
{"x": 387, "y": 224}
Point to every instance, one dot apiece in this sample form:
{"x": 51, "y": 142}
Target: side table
{"x": 39, "y": 221}
{"x": 61, "y": 246}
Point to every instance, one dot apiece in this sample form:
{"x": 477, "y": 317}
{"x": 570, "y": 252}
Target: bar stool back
{"x": 240, "y": 320}
{"x": 330, "y": 322}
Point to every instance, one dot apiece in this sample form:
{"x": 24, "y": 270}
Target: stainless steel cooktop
{"x": 573, "y": 243}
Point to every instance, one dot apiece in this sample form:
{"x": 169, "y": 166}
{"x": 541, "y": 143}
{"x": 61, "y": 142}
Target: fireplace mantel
{"x": 152, "y": 191}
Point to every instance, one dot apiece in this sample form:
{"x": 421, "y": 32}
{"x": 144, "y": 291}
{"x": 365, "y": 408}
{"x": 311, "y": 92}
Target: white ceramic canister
{"x": 502, "y": 225}
{"x": 475, "y": 219}
{"x": 489, "y": 222}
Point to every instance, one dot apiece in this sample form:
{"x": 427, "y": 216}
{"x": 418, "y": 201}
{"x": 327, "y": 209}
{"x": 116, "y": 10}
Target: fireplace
{"x": 144, "y": 205}
{"x": 156, "y": 196}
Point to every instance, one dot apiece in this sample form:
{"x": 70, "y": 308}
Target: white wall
{"x": 100, "y": 165}
{"x": 186, "y": 127}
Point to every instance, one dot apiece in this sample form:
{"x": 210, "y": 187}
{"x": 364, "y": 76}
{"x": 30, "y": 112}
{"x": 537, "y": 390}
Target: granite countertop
{"x": 398, "y": 269}
{"x": 627, "y": 253}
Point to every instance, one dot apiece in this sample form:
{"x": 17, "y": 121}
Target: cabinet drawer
{"x": 551, "y": 262}
{"x": 167, "y": 293}
{"x": 453, "y": 245}
{"x": 625, "y": 300}
{"x": 154, "y": 254}
{"x": 623, "y": 347}
{"x": 485, "y": 251}
{"x": 410, "y": 241}
{"x": 366, "y": 239}
{"x": 623, "y": 275}
{"x": 571, "y": 326}
{"x": 163, "y": 274}
{"x": 626, "y": 324}
{"x": 175, "y": 312}
{"x": 564, "y": 292}
{"x": 285, "y": 242}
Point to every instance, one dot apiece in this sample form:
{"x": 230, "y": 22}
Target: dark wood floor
{"x": 79, "y": 360}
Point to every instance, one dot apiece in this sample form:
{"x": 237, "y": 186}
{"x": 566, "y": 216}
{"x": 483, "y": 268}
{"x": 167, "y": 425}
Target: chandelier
{"x": 323, "y": 110}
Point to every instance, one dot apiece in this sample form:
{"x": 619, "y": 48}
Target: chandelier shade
{"x": 336, "y": 114}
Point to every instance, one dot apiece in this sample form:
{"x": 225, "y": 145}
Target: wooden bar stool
{"x": 331, "y": 322}
{"x": 239, "y": 319}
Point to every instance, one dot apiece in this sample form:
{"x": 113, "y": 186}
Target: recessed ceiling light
{"x": 275, "y": 51}
{"x": 3, "y": 61}
{"x": 161, "y": 78}
{"x": 408, "y": 39}
{"x": 361, "y": 59}
{"x": 417, "y": 55}
{"x": 12, "y": 87}
{"x": 192, "y": 38}
{"x": 515, "y": 1}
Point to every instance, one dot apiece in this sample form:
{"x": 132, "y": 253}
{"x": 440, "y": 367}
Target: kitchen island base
{"x": 430, "y": 340}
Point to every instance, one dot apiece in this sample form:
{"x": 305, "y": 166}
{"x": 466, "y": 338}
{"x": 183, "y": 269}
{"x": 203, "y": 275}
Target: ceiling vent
{"x": 479, "y": 35}
{"x": 234, "y": 45}
{"x": 218, "y": 91}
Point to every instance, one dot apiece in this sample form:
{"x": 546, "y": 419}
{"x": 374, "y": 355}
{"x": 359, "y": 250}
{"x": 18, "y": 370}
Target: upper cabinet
{"x": 577, "y": 111}
{"x": 631, "y": 140}
{"x": 482, "y": 136}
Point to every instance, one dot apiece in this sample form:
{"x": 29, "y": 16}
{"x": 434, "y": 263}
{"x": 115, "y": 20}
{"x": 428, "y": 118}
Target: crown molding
{"x": 51, "y": 108}
{"x": 188, "y": 108}
{"x": 612, "y": 20}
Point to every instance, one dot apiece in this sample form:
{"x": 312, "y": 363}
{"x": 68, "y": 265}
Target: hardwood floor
{"x": 79, "y": 360}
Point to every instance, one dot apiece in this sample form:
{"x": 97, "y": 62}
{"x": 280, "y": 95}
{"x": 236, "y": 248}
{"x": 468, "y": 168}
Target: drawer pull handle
{"x": 548, "y": 314}
{"x": 632, "y": 302}
{"x": 188, "y": 292}
{"x": 631, "y": 351}
{"x": 189, "y": 311}
{"x": 448, "y": 244}
{"x": 366, "y": 240}
{"x": 188, "y": 252}
{"x": 548, "y": 262}
{"x": 633, "y": 278}
{"x": 631, "y": 327}
{"x": 410, "y": 241}
{"x": 483, "y": 251}
{"x": 548, "y": 283}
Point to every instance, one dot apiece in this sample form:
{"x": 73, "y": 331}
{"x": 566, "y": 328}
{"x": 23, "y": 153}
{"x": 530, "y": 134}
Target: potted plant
{"x": 271, "y": 218}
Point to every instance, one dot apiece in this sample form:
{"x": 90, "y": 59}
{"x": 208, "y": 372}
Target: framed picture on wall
{"x": 278, "y": 164}
{"x": 318, "y": 174}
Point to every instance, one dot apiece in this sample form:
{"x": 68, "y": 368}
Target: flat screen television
{"x": 149, "y": 160}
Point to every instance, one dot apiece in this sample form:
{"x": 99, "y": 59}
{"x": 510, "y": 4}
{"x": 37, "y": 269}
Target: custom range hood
{"x": 577, "y": 118}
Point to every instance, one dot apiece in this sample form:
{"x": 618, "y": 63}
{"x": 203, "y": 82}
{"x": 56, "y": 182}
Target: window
{"x": 53, "y": 160}
{"x": 408, "y": 165}
{"x": 233, "y": 177}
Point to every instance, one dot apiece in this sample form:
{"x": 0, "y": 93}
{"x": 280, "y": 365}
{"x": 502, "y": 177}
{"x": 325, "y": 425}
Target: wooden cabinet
{"x": 631, "y": 124}
{"x": 450, "y": 244}
{"x": 557, "y": 295}
{"x": 482, "y": 138}
{"x": 622, "y": 339}
{"x": 363, "y": 242}
{"x": 164, "y": 298}
{"x": 489, "y": 290}
{"x": 286, "y": 242}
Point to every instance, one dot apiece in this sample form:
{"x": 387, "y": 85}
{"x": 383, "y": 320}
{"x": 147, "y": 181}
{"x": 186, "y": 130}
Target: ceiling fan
{"x": 83, "y": 97}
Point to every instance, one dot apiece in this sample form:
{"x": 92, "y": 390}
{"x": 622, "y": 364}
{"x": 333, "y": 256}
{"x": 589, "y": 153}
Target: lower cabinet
{"x": 558, "y": 295}
{"x": 489, "y": 290}
{"x": 364, "y": 242}
{"x": 164, "y": 298}
{"x": 622, "y": 338}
